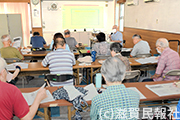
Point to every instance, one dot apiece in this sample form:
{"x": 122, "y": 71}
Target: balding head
{"x": 162, "y": 42}
{"x": 115, "y": 27}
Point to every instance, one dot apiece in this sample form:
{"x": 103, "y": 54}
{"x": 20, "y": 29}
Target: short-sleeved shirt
{"x": 117, "y": 37}
{"x": 71, "y": 42}
{"x": 60, "y": 61}
{"x": 169, "y": 60}
{"x": 142, "y": 47}
{"x": 11, "y": 102}
{"x": 125, "y": 60}
{"x": 37, "y": 42}
{"x": 66, "y": 46}
{"x": 102, "y": 48}
{"x": 112, "y": 100}
{"x": 10, "y": 52}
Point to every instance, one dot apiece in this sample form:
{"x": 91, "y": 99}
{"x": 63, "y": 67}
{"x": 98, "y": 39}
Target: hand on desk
{"x": 41, "y": 94}
{"x": 176, "y": 84}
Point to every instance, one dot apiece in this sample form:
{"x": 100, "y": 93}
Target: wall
{"x": 158, "y": 16}
{"x": 52, "y": 20}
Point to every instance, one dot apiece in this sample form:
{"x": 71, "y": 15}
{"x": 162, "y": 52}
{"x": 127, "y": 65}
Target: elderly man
{"x": 116, "y": 36}
{"x": 7, "y": 51}
{"x": 60, "y": 61}
{"x": 169, "y": 60}
{"x": 116, "y": 100}
{"x": 70, "y": 40}
{"x": 11, "y": 100}
{"x": 116, "y": 51}
{"x": 140, "y": 46}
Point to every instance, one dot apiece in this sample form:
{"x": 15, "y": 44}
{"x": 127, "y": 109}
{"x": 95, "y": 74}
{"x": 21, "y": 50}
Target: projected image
{"x": 78, "y": 17}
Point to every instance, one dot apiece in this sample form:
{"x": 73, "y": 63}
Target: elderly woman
{"x": 102, "y": 48}
{"x": 116, "y": 96}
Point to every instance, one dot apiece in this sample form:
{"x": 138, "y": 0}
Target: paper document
{"x": 164, "y": 89}
{"x": 126, "y": 49}
{"x": 30, "y": 97}
{"x": 13, "y": 66}
{"x": 25, "y": 51}
{"x": 136, "y": 90}
{"x": 101, "y": 61}
{"x": 92, "y": 92}
{"x": 147, "y": 60}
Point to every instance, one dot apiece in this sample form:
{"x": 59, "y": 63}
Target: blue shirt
{"x": 114, "y": 101}
{"x": 66, "y": 48}
{"x": 37, "y": 42}
{"x": 117, "y": 37}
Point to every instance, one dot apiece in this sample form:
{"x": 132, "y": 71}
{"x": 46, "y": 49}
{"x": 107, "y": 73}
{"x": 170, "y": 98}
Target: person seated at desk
{"x": 140, "y": 46}
{"x": 12, "y": 101}
{"x": 102, "y": 48}
{"x": 60, "y": 61}
{"x": 52, "y": 42}
{"x": 7, "y": 51}
{"x": 116, "y": 51}
{"x": 116, "y": 36}
{"x": 71, "y": 41}
{"x": 116, "y": 97}
{"x": 37, "y": 41}
{"x": 169, "y": 60}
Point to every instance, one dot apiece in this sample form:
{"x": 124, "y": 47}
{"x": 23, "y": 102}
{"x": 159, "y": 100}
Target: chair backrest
{"x": 178, "y": 43}
{"x": 12, "y": 60}
{"x": 143, "y": 55}
{"x": 175, "y": 72}
{"x": 17, "y": 42}
{"x": 102, "y": 57}
{"x": 132, "y": 74}
{"x": 56, "y": 78}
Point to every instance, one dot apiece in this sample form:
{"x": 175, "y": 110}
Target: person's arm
{"x": 155, "y": 76}
{"x": 44, "y": 63}
{"x": 16, "y": 72}
{"x": 19, "y": 54}
{"x": 33, "y": 109}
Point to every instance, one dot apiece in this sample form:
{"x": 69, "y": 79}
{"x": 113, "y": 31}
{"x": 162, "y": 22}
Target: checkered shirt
{"x": 112, "y": 103}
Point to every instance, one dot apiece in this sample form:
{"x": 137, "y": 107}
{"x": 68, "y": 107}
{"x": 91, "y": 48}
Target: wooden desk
{"x": 150, "y": 96}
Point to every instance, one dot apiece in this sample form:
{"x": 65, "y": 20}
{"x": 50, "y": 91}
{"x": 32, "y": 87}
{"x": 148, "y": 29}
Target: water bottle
{"x": 93, "y": 55}
{"x": 98, "y": 80}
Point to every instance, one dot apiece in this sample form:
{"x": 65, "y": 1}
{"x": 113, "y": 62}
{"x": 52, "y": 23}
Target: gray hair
{"x": 5, "y": 38}
{"x": 3, "y": 64}
{"x": 162, "y": 42}
{"x": 113, "y": 69}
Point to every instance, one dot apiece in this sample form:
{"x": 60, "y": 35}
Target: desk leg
{"x": 69, "y": 113}
{"x": 77, "y": 81}
{"x": 23, "y": 81}
{"x": 91, "y": 75}
{"x": 46, "y": 117}
{"x": 49, "y": 113}
{"x": 87, "y": 74}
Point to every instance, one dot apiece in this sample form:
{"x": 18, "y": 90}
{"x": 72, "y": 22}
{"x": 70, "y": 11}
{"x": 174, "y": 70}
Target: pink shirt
{"x": 168, "y": 60}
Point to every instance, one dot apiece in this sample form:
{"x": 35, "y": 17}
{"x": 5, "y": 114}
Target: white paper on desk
{"x": 147, "y": 60}
{"x": 101, "y": 61}
{"x": 30, "y": 97}
{"x": 13, "y": 66}
{"x": 92, "y": 92}
{"x": 72, "y": 92}
{"x": 136, "y": 90}
{"x": 126, "y": 49}
{"x": 164, "y": 89}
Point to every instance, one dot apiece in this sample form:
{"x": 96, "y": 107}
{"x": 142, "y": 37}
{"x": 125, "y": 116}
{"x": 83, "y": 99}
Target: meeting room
{"x": 89, "y": 60}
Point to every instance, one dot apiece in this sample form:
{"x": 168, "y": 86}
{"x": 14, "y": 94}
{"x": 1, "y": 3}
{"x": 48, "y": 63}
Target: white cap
{"x": 3, "y": 64}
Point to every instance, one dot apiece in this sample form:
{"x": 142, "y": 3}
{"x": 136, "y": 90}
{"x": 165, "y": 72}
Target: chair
{"x": 17, "y": 42}
{"x": 12, "y": 60}
{"x": 132, "y": 75}
{"x": 59, "y": 80}
{"x": 143, "y": 55}
{"x": 175, "y": 72}
{"x": 102, "y": 56}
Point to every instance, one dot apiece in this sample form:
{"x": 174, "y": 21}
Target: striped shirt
{"x": 60, "y": 61}
{"x": 169, "y": 60}
{"x": 113, "y": 102}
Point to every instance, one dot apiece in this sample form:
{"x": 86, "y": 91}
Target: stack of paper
{"x": 164, "y": 89}
{"x": 13, "y": 66}
{"x": 147, "y": 60}
{"x": 136, "y": 90}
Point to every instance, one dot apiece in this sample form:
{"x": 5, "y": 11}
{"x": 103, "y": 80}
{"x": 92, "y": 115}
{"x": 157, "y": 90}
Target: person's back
{"x": 114, "y": 98}
{"x": 37, "y": 42}
{"x": 102, "y": 48}
{"x": 10, "y": 102}
{"x": 71, "y": 42}
{"x": 171, "y": 61}
{"x": 10, "y": 52}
